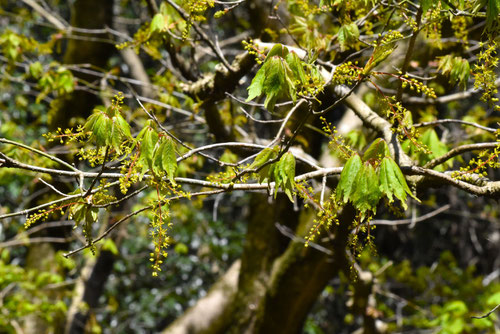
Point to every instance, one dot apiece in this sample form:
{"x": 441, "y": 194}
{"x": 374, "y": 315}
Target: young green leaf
{"x": 274, "y": 82}
{"x": 380, "y": 53}
{"x": 366, "y": 193}
{"x": 264, "y": 156}
{"x": 277, "y": 50}
{"x": 347, "y": 36}
{"x": 148, "y": 139}
{"x": 122, "y": 125}
{"x": 392, "y": 182}
{"x": 77, "y": 212}
{"x": 284, "y": 174}
{"x": 157, "y": 23}
{"x": 169, "y": 159}
{"x": 347, "y": 177}
{"x": 255, "y": 88}
{"x": 377, "y": 150}
{"x": 36, "y": 70}
{"x": 296, "y": 65}
{"x": 101, "y": 130}
{"x": 437, "y": 147}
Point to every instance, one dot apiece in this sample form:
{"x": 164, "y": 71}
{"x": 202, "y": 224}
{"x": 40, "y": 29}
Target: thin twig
{"x": 116, "y": 224}
{"x": 487, "y": 314}
{"x": 447, "y": 121}
{"x": 99, "y": 174}
{"x": 46, "y": 155}
{"x": 411, "y": 220}
{"x": 459, "y": 150}
{"x": 203, "y": 35}
{"x": 52, "y": 187}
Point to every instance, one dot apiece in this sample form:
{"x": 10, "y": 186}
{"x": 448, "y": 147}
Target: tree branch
{"x": 459, "y": 150}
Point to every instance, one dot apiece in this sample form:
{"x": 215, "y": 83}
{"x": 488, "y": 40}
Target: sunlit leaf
{"x": 366, "y": 193}
{"x": 348, "y": 35}
{"x": 377, "y": 150}
{"x": 169, "y": 159}
{"x": 347, "y": 177}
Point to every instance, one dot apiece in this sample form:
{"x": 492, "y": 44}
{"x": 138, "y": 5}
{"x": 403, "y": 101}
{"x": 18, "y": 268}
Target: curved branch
{"x": 446, "y": 121}
{"x": 489, "y": 189}
{"x": 459, "y": 150}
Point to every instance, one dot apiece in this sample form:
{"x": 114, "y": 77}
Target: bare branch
{"x": 487, "y": 314}
{"x": 48, "y": 16}
{"x": 411, "y": 220}
{"x": 46, "y": 155}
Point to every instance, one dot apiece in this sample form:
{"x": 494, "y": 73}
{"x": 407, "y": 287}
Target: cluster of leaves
{"x": 348, "y": 36}
{"x": 58, "y": 80}
{"x": 434, "y": 148}
{"x": 281, "y": 172}
{"x": 157, "y": 153}
{"x": 383, "y": 48}
{"x": 15, "y": 45}
{"x": 364, "y": 182}
{"x": 24, "y": 293}
{"x": 453, "y": 303}
{"x": 88, "y": 214}
{"x": 457, "y": 68}
{"x": 167, "y": 18}
{"x": 282, "y": 75}
{"x": 308, "y": 33}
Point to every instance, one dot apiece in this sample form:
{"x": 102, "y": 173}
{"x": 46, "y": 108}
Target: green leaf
{"x": 437, "y": 147}
{"x": 457, "y": 68}
{"x": 377, "y": 150}
{"x": 277, "y": 50}
{"x": 122, "y": 125}
{"x": 77, "y": 212}
{"x": 274, "y": 82}
{"x": 460, "y": 72}
{"x": 274, "y": 78}
{"x": 157, "y": 23}
{"x": 296, "y": 65}
{"x": 36, "y": 70}
{"x": 347, "y": 178}
{"x": 348, "y": 35}
{"x": 492, "y": 11}
{"x": 91, "y": 214}
{"x": 169, "y": 159}
{"x": 148, "y": 139}
{"x": 445, "y": 64}
{"x": 264, "y": 156}
{"x": 101, "y": 130}
{"x": 266, "y": 173}
{"x": 457, "y": 307}
{"x": 181, "y": 248}
{"x": 284, "y": 174}
{"x": 115, "y": 137}
{"x": 380, "y": 53}
{"x": 494, "y": 299}
{"x": 393, "y": 182}
{"x": 255, "y": 88}
{"x": 366, "y": 194}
